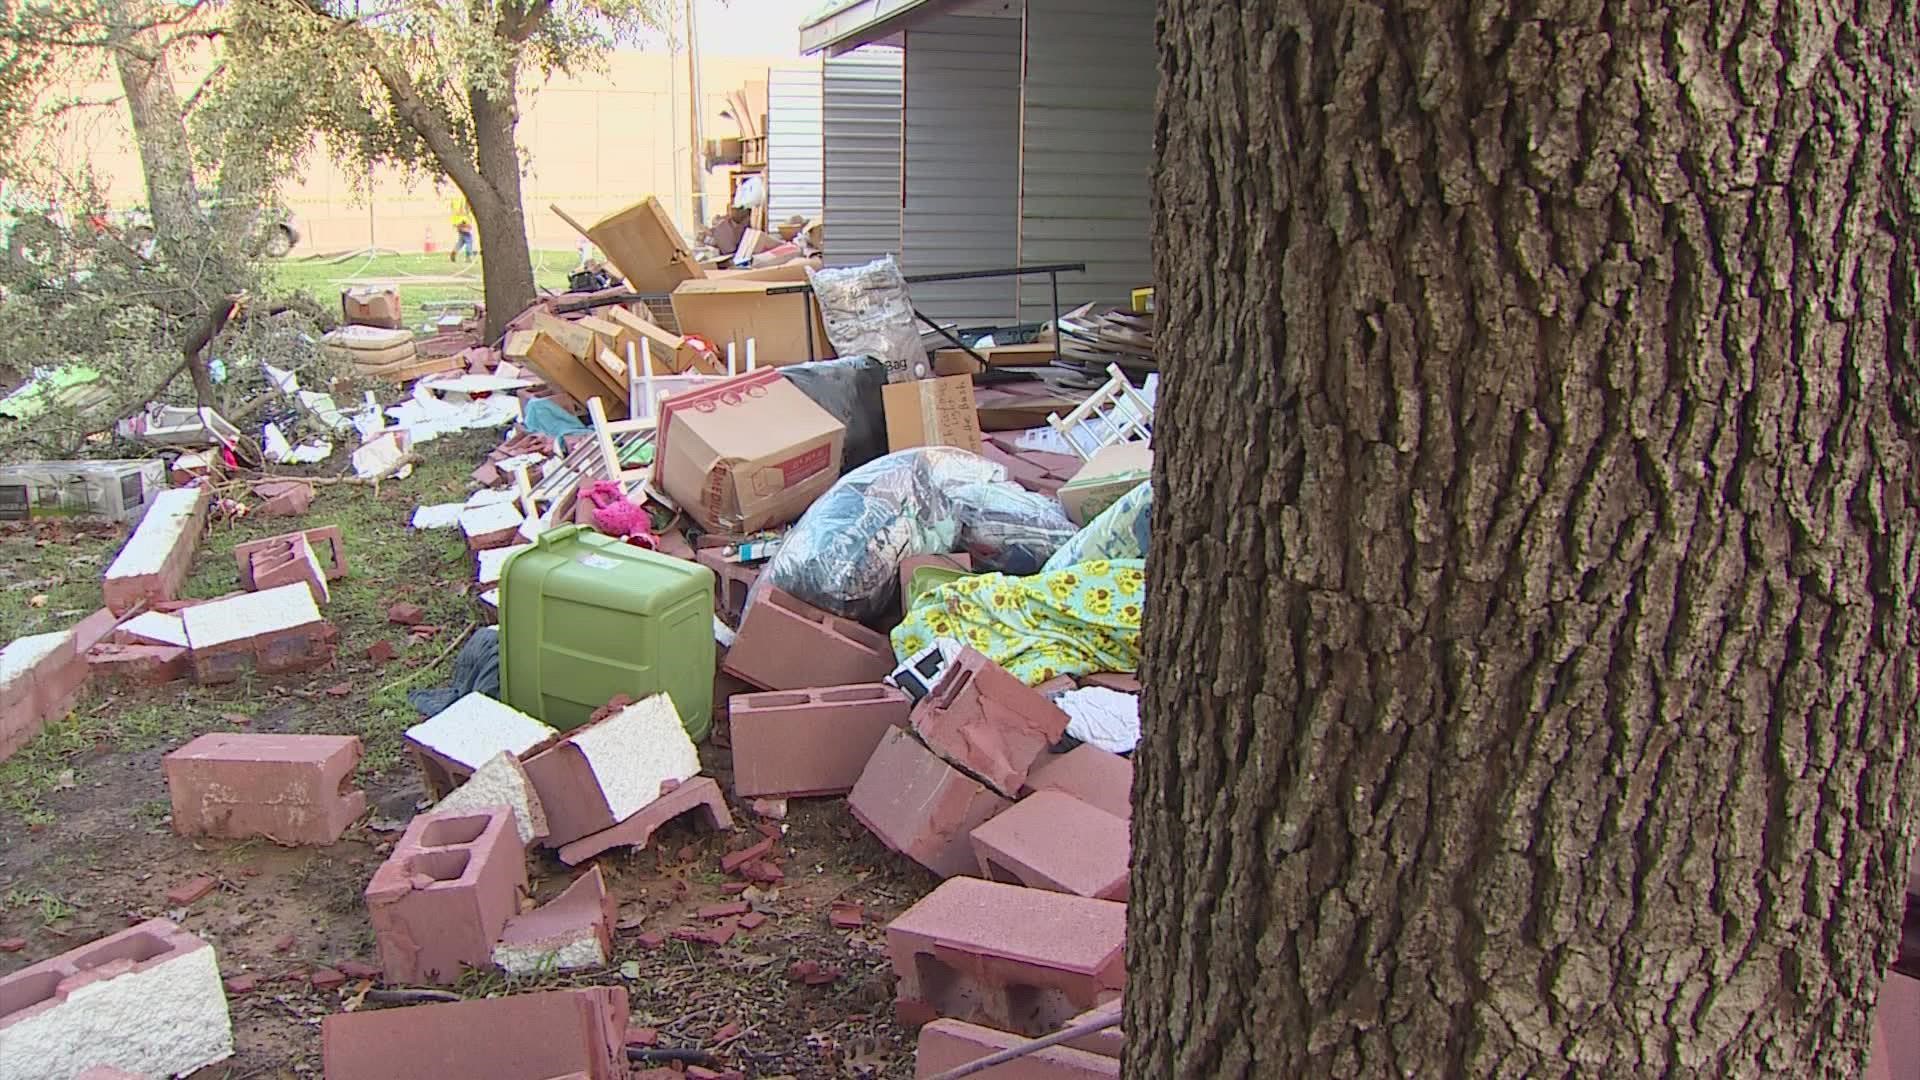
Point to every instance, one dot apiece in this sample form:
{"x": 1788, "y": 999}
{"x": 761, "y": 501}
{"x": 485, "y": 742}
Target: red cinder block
{"x": 573, "y": 930}
{"x": 549, "y": 1034}
{"x": 920, "y": 806}
{"x": 272, "y": 632}
{"x": 1114, "y": 680}
{"x": 292, "y": 789}
{"x": 325, "y": 542}
{"x": 785, "y": 644}
{"x": 1107, "y": 1042}
{"x": 40, "y": 678}
{"x": 1053, "y": 841}
{"x": 1059, "y": 684}
{"x": 443, "y": 896}
{"x": 283, "y": 498}
{"x": 1097, "y": 777}
{"x": 983, "y": 719}
{"x": 699, "y": 793}
{"x": 155, "y": 561}
{"x": 296, "y": 563}
{"x": 1013, "y": 958}
{"x": 731, "y": 581}
{"x": 1896, "y": 1030}
{"x": 948, "y": 1044}
{"x": 144, "y": 665}
{"x": 593, "y": 778}
{"x": 810, "y": 742}
{"x": 146, "y": 998}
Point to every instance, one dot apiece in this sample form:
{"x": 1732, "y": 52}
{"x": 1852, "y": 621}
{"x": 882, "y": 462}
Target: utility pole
{"x": 698, "y": 196}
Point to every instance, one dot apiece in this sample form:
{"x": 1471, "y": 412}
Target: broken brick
{"x": 242, "y": 984}
{"x": 552, "y": 1034}
{"x": 573, "y": 930}
{"x": 752, "y": 920}
{"x": 721, "y": 911}
{"x": 642, "y": 1036}
{"x": 356, "y": 969}
{"x": 847, "y": 917}
{"x": 380, "y": 651}
{"x": 651, "y": 940}
{"x": 191, "y": 890}
{"x": 155, "y": 561}
{"x": 406, "y": 614}
{"x": 327, "y": 979}
{"x": 734, "y": 860}
{"x": 699, "y": 796}
{"x": 812, "y": 973}
{"x": 12, "y": 944}
{"x": 140, "y": 665}
{"x": 983, "y": 719}
{"x": 921, "y": 806}
{"x": 283, "y": 943}
{"x": 763, "y": 872}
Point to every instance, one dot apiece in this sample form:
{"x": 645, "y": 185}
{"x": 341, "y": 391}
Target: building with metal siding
{"x": 861, "y": 124}
{"x": 794, "y": 145}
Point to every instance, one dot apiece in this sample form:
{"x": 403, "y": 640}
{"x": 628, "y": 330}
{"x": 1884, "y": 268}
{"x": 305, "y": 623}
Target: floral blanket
{"x": 1076, "y": 620}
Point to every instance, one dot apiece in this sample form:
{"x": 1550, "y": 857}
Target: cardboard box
{"x": 535, "y": 351}
{"x": 960, "y": 362}
{"x": 669, "y": 351}
{"x": 932, "y": 412}
{"x": 734, "y": 309}
{"x": 747, "y": 453}
{"x": 642, "y": 243}
{"x": 1112, "y": 472}
{"x": 368, "y": 306}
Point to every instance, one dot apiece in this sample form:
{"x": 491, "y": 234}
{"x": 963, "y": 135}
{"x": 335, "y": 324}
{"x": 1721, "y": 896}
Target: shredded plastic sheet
{"x": 1119, "y": 532}
{"x": 868, "y": 313}
{"x": 844, "y": 554}
{"x": 1076, "y": 621}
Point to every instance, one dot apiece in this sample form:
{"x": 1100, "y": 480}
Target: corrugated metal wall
{"x": 1087, "y": 148}
{"x": 794, "y": 149}
{"x": 861, "y": 110}
{"x": 962, "y": 163}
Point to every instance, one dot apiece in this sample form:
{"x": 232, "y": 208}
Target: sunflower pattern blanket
{"x": 1076, "y": 620}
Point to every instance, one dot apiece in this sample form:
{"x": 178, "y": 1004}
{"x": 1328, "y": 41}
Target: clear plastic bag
{"x": 1119, "y": 532}
{"x": 868, "y": 313}
{"x": 844, "y": 554}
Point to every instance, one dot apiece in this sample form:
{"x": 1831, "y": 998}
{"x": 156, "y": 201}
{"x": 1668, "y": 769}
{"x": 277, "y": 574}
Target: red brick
{"x": 292, "y": 789}
{"x": 651, "y": 940}
{"x": 642, "y": 1036}
{"x": 157, "y": 557}
{"x": 445, "y": 893}
{"x": 811, "y": 973}
{"x": 920, "y": 806}
{"x": 698, "y": 794}
{"x": 40, "y": 678}
{"x": 571, "y": 931}
{"x": 284, "y": 943}
{"x": 1017, "y": 959}
{"x": 957, "y": 561}
{"x": 327, "y": 978}
{"x": 138, "y": 665}
{"x": 949, "y": 1044}
{"x": 1059, "y": 684}
{"x": 242, "y": 984}
{"x": 283, "y": 498}
{"x": 847, "y": 917}
{"x": 355, "y": 969}
{"x": 191, "y": 890}
{"x": 12, "y": 944}
{"x": 1094, "y": 776}
{"x": 764, "y": 872}
{"x": 784, "y": 644}
{"x": 1051, "y": 840}
{"x": 722, "y": 911}
{"x": 985, "y": 720}
{"x": 731, "y": 582}
{"x": 810, "y": 742}
{"x": 753, "y": 920}
{"x": 326, "y": 543}
{"x": 272, "y": 632}
{"x": 734, "y": 860}
{"x": 1113, "y": 680}
{"x": 380, "y": 651}
{"x": 406, "y": 614}
{"x": 550, "y": 1034}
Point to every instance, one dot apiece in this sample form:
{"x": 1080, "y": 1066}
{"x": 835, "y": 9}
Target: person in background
{"x": 462, "y": 230}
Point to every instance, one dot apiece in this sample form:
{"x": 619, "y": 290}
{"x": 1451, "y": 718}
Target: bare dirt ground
{"x": 86, "y": 846}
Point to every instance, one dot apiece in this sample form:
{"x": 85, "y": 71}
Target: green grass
{"x": 388, "y": 562}
{"x": 326, "y": 278}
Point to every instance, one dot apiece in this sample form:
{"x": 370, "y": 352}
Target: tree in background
{"x": 433, "y": 88}
{"x": 1530, "y": 660}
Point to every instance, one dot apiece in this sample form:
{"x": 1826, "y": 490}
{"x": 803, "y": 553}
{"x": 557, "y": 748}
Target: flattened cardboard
{"x": 747, "y": 453}
{"x": 1110, "y": 473}
{"x": 932, "y": 412}
{"x": 642, "y": 243}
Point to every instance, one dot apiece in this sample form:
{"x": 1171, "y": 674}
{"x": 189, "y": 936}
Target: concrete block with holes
{"x": 810, "y": 742}
{"x": 291, "y": 789}
{"x": 441, "y": 899}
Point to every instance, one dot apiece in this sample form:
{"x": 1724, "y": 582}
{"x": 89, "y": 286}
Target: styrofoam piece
{"x": 438, "y": 516}
{"x": 491, "y": 598}
{"x": 472, "y": 384}
{"x": 168, "y": 1019}
{"x": 249, "y": 615}
{"x": 490, "y": 497}
{"x": 481, "y": 520}
{"x": 147, "y": 549}
{"x": 632, "y": 752}
{"x": 494, "y": 560}
{"x": 380, "y": 455}
{"x": 500, "y": 781}
{"x": 161, "y": 626}
{"x": 476, "y": 727}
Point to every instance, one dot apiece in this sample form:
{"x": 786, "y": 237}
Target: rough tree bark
{"x": 1529, "y": 667}
{"x": 160, "y": 134}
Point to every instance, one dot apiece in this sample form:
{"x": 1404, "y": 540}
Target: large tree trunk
{"x": 1529, "y": 668}
{"x": 160, "y": 134}
{"x": 507, "y": 264}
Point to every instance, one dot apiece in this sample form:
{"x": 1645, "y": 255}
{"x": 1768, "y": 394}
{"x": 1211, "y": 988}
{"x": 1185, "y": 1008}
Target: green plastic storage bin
{"x": 584, "y": 617}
